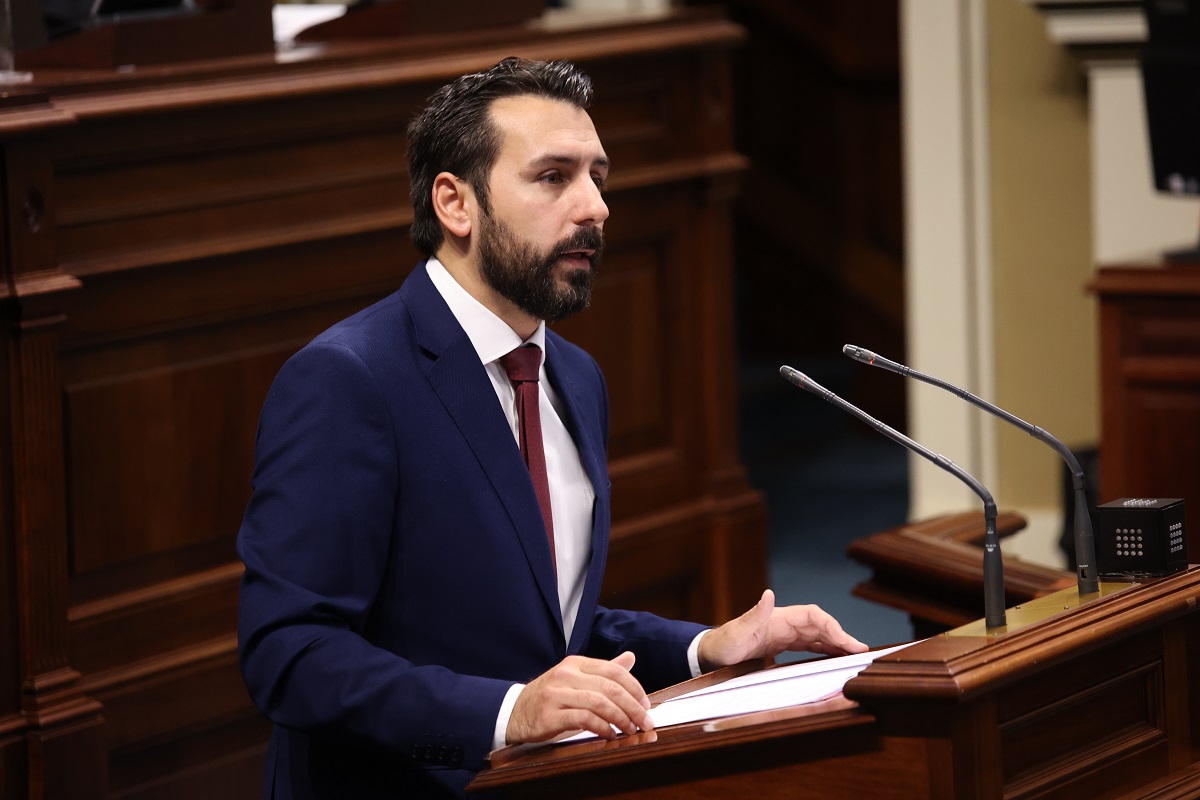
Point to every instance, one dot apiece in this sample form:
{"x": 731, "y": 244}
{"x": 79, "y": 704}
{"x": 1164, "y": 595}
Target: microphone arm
{"x": 1085, "y": 543}
{"x": 993, "y": 565}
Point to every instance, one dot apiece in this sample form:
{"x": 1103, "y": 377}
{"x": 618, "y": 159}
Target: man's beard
{"x": 525, "y": 277}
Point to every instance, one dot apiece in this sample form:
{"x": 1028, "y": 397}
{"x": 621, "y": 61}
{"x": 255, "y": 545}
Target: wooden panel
{"x": 164, "y": 491}
{"x": 1158, "y": 327}
{"x": 633, "y": 341}
{"x": 1150, "y": 385}
{"x": 1099, "y": 722}
{"x": 10, "y": 667}
{"x": 637, "y": 332}
{"x": 818, "y": 110}
{"x": 661, "y": 566}
{"x": 313, "y": 279}
{"x": 13, "y": 757}
{"x": 199, "y": 686}
{"x": 189, "y": 200}
{"x": 141, "y": 624}
{"x": 1162, "y": 423}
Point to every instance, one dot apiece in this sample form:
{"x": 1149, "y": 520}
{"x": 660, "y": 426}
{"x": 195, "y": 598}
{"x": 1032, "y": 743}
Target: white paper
{"x": 291, "y": 18}
{"x": 765, "y": 690}
{"x": 797, "y": 670}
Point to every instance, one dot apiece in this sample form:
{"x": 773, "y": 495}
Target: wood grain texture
{"x": 1149, "y": 374}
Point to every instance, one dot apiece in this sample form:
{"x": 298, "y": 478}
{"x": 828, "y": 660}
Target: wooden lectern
{"x": 1096, "y": 698}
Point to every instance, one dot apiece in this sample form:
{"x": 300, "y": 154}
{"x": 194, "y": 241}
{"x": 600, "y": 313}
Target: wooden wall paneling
{"x": 740, "y": 510}
{"x": 658, "y": 564}
{"x": 182, "y": 324}
{"x": 12, "y": 723}
{"x": 252, "y": 181}
{"x": 1150, "y": 385}
{"x": 819, "y": 227}
{"x": 1190, "y": 632}
{"x": 231, "y": 755}
{"x": 65, "y": 756}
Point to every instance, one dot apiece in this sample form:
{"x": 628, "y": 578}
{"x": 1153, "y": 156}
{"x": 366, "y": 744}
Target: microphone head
{"x": 799, "y": 379}
{"x": 859, "y": 353}
{"x": 792, "y": 375}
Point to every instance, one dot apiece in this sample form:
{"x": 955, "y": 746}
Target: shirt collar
{"x": 490, "y": 336}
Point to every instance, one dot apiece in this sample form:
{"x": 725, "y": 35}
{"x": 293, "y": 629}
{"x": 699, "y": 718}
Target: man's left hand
{"x": 766, "y": 631}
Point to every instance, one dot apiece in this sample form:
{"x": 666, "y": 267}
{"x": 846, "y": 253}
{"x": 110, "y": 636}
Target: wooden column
{"x": 65, "y": 756}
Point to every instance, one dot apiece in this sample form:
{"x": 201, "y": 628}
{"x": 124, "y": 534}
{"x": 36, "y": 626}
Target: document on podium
{"x": 765, "y": 690}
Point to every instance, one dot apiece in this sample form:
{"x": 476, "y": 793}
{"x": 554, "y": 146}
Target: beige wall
{"x": 998, "y": 251}
{"x": 1044, "y": 322}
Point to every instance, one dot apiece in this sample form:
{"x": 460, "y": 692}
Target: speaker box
{"x": 1140, "y": 538}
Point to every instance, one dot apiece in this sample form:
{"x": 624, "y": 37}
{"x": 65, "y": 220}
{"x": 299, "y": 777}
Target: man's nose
{"x": 592, "y": 210}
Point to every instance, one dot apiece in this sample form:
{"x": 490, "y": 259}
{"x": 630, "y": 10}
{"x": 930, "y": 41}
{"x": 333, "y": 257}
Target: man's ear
{"x": 453, "y": 202}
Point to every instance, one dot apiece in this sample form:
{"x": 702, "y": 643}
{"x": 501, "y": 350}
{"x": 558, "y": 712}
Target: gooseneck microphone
{"x": 1085, "y": 544}
{"x": 993, "y": 565}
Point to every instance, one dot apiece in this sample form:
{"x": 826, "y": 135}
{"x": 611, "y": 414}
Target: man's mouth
{"x": 579, "y": 258}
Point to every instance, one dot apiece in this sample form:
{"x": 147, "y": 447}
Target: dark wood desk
{"x": 1098, "y": 699}
{"x": 172, "y": 234}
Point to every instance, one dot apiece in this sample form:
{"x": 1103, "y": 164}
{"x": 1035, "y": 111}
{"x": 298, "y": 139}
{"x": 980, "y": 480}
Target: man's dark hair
{"x": 455, "y": 133}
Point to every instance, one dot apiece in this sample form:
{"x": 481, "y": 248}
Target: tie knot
{"x": 523, "y": 363}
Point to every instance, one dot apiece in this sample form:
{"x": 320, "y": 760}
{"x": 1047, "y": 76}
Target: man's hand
{"x": 766, "y": 631}
{"x": 580, "y": 694}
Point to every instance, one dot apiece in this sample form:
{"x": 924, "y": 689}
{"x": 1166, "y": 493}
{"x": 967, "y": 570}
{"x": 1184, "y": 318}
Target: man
{"x": 421, "y": 573}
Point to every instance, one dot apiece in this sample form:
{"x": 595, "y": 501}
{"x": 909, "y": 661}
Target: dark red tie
{"x": 522, "y": 367}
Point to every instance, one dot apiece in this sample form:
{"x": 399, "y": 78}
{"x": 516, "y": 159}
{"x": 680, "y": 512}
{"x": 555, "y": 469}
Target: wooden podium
{"x": 1096, "y": 699}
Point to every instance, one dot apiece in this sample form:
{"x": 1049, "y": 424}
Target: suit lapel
{"x": 586, "y": 431}
{"x": 462, "y": 384}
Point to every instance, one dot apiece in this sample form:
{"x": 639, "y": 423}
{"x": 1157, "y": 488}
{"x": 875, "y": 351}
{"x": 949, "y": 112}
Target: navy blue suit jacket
{"x": 398, "y": 578}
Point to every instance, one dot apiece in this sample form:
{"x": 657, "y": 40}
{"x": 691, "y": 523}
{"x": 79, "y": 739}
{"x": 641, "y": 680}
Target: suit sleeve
{"x": 315, "y": 541}
{"x": 659, "y": 644}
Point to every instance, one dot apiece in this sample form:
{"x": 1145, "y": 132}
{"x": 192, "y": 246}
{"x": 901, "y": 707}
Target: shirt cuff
{"x": 500, "y": 734}
{"x": 693, "y": 654}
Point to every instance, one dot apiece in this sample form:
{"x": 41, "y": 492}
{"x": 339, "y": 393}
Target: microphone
{"x": 1085, "y": 544}
{"x": 993, "y": 565}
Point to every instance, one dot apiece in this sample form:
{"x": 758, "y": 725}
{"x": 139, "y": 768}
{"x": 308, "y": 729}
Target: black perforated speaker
{"x": 1138, "y": 538}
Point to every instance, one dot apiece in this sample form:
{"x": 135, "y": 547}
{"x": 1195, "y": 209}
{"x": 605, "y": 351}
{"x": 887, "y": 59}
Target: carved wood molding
{"x": 933, "y": 569}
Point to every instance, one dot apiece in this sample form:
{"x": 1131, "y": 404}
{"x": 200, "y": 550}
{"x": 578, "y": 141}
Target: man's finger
{"x": 621, "y": 710}
{"x": 620, "y": 676}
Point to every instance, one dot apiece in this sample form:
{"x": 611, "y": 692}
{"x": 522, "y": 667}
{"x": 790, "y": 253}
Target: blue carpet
{"x": 827, "y": 481}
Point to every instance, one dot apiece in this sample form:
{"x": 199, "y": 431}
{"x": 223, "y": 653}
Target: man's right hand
{"x": 580, "y": 694}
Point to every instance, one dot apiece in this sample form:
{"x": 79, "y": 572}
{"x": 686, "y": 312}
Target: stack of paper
{"x": 780, "y": 687}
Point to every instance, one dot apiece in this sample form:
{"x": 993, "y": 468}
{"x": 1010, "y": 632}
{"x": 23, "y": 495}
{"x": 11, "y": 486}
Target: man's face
{"x": 541, "y": 244}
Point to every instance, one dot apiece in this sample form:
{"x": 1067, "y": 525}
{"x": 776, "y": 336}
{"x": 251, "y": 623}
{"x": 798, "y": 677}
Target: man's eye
{"x": 551, "y": 177}
{"x": 601, "y": 184}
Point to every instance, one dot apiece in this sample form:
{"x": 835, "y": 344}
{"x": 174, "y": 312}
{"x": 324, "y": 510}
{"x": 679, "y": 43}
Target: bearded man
{"x": 426, "y": 539}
